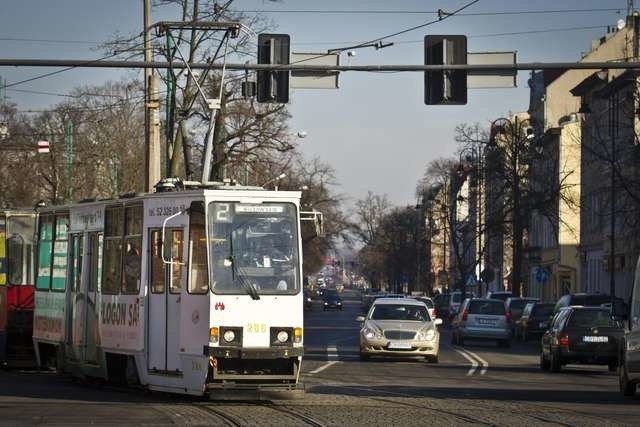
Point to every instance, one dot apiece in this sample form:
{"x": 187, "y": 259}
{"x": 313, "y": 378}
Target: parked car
{"x": 331, "y": 300}
{"x": 399, "y": 327}
{"x": 455, "y": 300}
{"x": 514, "y": 307}
{"x": 499, "y": 295}
{"x": 591, "y": 300}
{"x": 430, "y": 305}
{"x": 483, "y": 319}
{"x": 580, "y": 334}
{"x": 534, "y": 320}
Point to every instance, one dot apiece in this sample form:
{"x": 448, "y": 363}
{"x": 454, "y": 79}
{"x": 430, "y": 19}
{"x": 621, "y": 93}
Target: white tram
{"x": 186, "y": 292}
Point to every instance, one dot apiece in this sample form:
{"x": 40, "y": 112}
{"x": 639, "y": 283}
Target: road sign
{"x": 542, "y": 275}
{"x": 315, "y": 79}
{"x": 491, "y": 79}
{"x": 43, "y": 146}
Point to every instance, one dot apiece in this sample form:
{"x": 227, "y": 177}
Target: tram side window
{"x": 198, "y": 274}
{"x": 19, "y": 246}
{"x": 133, "y": 255}
{"x": 112, "y": 255}
{"x": 177, "y": 249}
{"x": 76, "y": 262}
{"x": 157, "y": 266}
{"x": 60, "y": 244}
{"x": 45, "y": 246}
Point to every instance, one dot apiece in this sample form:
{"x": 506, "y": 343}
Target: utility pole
{"x": 152, "y": 110}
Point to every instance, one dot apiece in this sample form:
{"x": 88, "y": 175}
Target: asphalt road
{"x": 479, "y": 383}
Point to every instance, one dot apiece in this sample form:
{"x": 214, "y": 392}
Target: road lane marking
{"x": 485, "y": 364}
{"x": 474, "y": 364}
{"x": 323, "y": 367}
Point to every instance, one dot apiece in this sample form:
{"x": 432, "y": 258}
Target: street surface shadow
{"x": 611, "y": 397}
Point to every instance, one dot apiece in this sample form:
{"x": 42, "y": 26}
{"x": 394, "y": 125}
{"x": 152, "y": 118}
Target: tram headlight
{"x": 297, "y": 335}
{"x": 213, "y": 334}
{"x": 282, "y": 336}
{"x": 229, "y": 336}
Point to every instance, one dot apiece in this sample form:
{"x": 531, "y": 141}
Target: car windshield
{"x": 592, "y": 318}
{"x": 427, "y": 301}
{"x": 456, "y": 297}
{"x": 590, "y": 299}
{"x": 400, "y": 312}
{"x": 486, "y": 307}
{"x": 253, "y": 248}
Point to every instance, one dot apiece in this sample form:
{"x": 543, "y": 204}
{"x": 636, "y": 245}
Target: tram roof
{"x": 226, "y": 192}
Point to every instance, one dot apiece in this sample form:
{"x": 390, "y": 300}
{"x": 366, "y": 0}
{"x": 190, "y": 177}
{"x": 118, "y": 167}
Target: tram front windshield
{"x": 254, "y": 248}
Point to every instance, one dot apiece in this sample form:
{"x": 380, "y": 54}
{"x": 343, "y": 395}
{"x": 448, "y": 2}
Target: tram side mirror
{"x": 312, "y": 223}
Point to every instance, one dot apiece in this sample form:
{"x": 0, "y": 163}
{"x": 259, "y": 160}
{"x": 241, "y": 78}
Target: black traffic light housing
{"x": 273, "y": 86}
{"x": 445, "y": 87}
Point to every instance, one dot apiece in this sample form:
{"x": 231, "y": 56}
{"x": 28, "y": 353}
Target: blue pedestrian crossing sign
{"x": 542, "y": 275}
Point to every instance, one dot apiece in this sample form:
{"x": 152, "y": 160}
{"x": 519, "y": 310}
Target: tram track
{"x": 242, "y": 415}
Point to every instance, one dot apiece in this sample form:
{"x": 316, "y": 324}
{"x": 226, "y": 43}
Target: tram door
{"x": 76, "y": 299}
{"x": 83, "y": 317}
{"x": 166, "y": 284}
{"x": 93, "y": 277}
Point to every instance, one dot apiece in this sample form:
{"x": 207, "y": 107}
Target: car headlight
{"x": 326, "y": 303}
{"x": 371, "y": 333}
{"x": 339, "y": 303}
{"x": 428, "y": 335}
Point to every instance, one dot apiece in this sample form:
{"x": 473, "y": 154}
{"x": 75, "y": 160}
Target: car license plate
{"x": 595, "y": 339}
{"x": 543, "y": 324}
{"x": 399, "y": 345}
{"x": 486, "y": 321}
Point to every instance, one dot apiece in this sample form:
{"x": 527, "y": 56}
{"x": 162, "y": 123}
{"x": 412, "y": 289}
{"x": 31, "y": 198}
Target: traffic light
{"x": 273, "y": 86}
{"x": 445, "y": 87}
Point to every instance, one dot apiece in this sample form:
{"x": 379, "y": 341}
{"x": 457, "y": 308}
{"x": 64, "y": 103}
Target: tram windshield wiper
{"x": 248, "y": 287}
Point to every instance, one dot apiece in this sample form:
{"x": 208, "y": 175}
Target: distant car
{"x": 399, "y": 327}
{"x": 514, "y": 307}
{"x": 501, "y": 295}
{"x": 331, "y": 300}
{"x": 581, "y": 334}
{"x": 455, "y": 301}
{"x": 430, "y": 305}
{"x": 534, "y": 320}
{"x": 483, "y": 319}
{"x": 308, "y": 301}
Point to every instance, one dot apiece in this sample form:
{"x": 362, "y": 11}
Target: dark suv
{"x": 581, "y": 335}
{"x": 591, "y": 300}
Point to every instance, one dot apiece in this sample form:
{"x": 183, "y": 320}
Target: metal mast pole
{"x": 151, "y": 111}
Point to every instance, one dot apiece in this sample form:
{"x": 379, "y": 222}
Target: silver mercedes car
{"x": 399, "y": 327}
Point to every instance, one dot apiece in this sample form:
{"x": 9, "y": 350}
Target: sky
{"x": 374, "y": 130}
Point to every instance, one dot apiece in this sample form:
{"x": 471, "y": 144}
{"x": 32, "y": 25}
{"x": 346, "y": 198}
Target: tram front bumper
{"x": 253, "y": 353}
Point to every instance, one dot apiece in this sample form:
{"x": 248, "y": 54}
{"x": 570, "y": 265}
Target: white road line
{"x": 474, "y": 364}
{"x": 485, "y": 364}
{"x": 323, "y": 367}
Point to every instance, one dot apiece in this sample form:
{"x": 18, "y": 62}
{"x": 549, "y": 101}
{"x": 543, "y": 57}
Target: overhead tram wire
{"x": 340, "y": 50}
{"x": 424, "y": 12}
{"x": 74, "y": 66}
